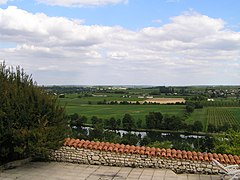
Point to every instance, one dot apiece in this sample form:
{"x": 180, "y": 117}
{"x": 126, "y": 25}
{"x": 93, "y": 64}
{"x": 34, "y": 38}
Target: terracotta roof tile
{"x": 126, "y": 150}
{"x": 153, "y": 153}
{"x": 215, "y": 156}
{"x": 147, "y": 153}
{"x": 205, "y": 157}
{"x": 131, "y": 151}
{"x": 110, "y": 148}
{"x": 195, "y": 156}
{"x": 200, "y": 156}
{"x": 158, "y": 152}
{"x": 169, "y": 153}
{"x": 121, "y": 150}
{"x": 210, "y": 156}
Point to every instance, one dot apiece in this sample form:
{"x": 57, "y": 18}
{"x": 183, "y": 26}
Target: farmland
{"x": 117, "y": 111}
{"x": 217, "y": 116}
{"x": 105, "y": 103}
{"x": 220, "y": 116}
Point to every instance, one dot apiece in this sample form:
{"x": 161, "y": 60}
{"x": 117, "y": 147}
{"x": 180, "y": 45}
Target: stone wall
{"x": 100, "y": 157}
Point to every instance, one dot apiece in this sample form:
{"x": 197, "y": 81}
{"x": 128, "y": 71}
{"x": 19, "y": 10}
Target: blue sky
{"x": 155, "y": 42}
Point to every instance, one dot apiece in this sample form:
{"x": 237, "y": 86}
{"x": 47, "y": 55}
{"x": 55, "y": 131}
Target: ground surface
{"x": 69, "y": 171}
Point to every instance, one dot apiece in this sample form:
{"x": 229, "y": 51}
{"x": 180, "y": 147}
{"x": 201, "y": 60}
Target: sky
{"x": 123, "y": 42}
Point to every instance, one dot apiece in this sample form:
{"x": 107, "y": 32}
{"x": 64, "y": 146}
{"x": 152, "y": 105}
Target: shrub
{"x": 31, "y": 121}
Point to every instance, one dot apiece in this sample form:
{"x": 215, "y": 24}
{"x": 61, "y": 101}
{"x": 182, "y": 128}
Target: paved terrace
{"x": 69, "y": 171}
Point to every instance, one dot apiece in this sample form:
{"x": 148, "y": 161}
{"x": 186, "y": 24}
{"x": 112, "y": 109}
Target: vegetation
{"x": 228, "y": 143}
{"x": 31, "y": 122}
{"x": 118, "y": 111}
{"x": 198, "y": 114}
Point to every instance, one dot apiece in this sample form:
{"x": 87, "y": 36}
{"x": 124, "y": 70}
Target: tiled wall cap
{"x": 179, "y": 156}
{"x": 153, "y": 153}
{"x": 174, "y": 151}
{"x": 169, "y": 153}
{"x": 163, "y": 150}
{"x": 142, "y": 152}
{"x": 169, "y": 150}
{"x": 179, "y": 152}
{"x": 148, "y": 148}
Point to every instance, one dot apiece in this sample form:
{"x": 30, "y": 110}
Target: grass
{"x": 118, "y": 111}
{"x": 76, "y": 100}
{"x": 199, "y": 115}
{"x": 80, "y": 105}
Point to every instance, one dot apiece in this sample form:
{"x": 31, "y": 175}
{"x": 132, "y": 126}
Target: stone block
{"x": 95, "y": 158}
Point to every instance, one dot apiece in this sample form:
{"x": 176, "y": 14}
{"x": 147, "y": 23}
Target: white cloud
{"x": 3, "y": 1}
{"x": 80, "y": 3}
{"x": 192, "y": 49}
{"x": 157, "y": 21}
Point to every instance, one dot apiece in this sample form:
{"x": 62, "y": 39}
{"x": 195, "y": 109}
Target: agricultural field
{"x": 95, "y": 103}
{"x": 218, "y": 116}
{"x": 221, "y": 116}
{"x": 118, "y": 111}
{"x": 77, "y": 99}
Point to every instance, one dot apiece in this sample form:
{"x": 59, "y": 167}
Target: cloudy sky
{"x": 123, "y": 42}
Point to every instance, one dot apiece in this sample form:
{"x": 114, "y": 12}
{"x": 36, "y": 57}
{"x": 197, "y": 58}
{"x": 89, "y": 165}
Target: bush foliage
{"x": 31, "y": 121}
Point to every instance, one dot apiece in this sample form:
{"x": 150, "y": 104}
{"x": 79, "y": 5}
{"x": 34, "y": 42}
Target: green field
{"x": 76, "y": 99}
{"x": 118, "y": 111}
{"x": 88, "y": 106}
{"x": 217, "y": 116}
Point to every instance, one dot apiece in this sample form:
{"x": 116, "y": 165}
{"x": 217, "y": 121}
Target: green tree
{"x": 111, "y": 123}
{"x": 139, "y": 123}
{"x": 154, "y": 120}
{"x": 190, "y": 107}
{"x": 163, "y": 144}
{"x": 128, "y": 122}
{"x": 172, "y": 123}
{"x": 97, "y": 132}
{"x": 228, "y": 143}
{"x": 211, "y": 128}
{"x": 31, "y": 121}
{"x": 197, "y": 126}
{"x": 76, "y": 124}
{"x": 129, "y": 138}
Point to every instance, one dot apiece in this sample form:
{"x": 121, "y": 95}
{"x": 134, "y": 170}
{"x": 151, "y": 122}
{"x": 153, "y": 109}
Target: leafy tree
{"x": 145, "y": 141}
{"x": 154, "y": 120}
{"x": 163, "y": 144}
{"x": 183, "y": 145}
{"x": 129, "y": 138}
{"x": 31, "y": 121}
{"x": 98, "y": 129}
{"x": 95, "y": 120}
{"x": 228, "y": 143}
{"x": 139, "y": 123}
{"x": 173, "y": 123}
{"x": 190, "y": 107}
{"x": 111, "y": 123}
{"x": 197, "y": 126}
{"x": 110, "y": 136}
{"x": 76, "y": 124}
{"x": 207, "y": 144}
{"x": 128, "y": 122}
{"x": 211, "y": 128}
